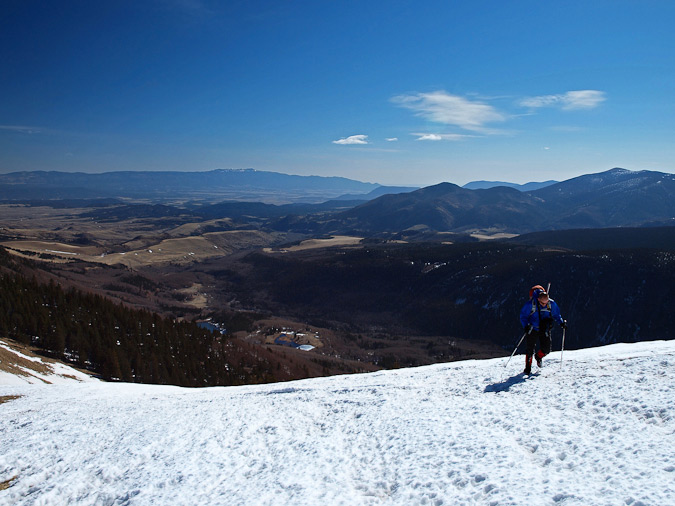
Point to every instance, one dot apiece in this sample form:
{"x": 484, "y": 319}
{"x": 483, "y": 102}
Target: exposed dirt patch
{"x": 19, "y": 364}
{"x": 4, "y": 485}
{"x": 20, "y": 360}
{"x": 7, "y": 398}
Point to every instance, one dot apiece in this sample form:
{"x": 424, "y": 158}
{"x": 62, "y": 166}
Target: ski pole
{"x": 562, "y": 349}
{"x": 514, "y": 351}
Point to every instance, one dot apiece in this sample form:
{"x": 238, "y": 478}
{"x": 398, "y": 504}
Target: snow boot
{"x": 528, "y": 364}
{"x": 539, "y": 356}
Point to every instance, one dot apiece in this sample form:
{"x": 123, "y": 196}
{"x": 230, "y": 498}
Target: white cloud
{"x": 580, "y": 99}
{"x": 429, "y": 137}
{"x": 442, "y": 107}
{"x": 541, "y": 101}
{"x": 584, "y": 99}
{"x": 353, "y": 139}
{"x": 391, "y": 139}
{"x": 476, "y": 116}
{"x": 442, "y": 137}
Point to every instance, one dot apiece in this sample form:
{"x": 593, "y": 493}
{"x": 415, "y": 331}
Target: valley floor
{"x": 598, "y": 430}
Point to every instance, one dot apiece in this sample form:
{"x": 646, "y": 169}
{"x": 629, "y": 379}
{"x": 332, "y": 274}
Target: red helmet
{"x": 538, "y": 289}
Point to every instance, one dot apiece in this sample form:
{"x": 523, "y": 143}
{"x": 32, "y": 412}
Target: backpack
{"x": 535, "y": 304}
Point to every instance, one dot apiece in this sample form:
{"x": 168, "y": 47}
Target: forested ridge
{"x": 118, "y": 342}
{"x": 469, "y": 290}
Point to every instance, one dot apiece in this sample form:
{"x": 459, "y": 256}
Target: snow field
{"x": 600, "y": 430}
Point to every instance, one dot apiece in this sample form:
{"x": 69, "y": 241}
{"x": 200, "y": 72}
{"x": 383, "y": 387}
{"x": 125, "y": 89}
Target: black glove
{"x": 564, "y": 324}
{"x": 528, "y": 328}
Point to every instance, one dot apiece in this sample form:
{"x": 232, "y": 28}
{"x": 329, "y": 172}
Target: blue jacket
{"x": 532, "y": 312}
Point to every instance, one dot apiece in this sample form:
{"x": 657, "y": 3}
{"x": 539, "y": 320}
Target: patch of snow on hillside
{"x": 19, "y": 368}
{"x": 598, "y": 428}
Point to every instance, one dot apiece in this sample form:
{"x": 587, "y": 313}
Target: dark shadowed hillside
{"x": 610, "y": 199}
{"x": 443, "y": 207}
{"x": 469, "y": 291}
{"x": 659, "y": 238}
{"x": 614, "y": 198}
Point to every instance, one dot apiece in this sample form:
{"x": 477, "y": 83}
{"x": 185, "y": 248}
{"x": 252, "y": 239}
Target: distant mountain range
{"x": 484, "y": 185}
{"x": 614, "y": 198}
{"x": 378, "y": 192}
{"x": 328, "y": 205}
{"x": 216, "y": 185}
{"x": 247, "y": 185}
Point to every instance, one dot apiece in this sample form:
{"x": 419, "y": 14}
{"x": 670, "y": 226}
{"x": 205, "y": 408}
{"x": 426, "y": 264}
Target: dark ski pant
{"x": 543, "y": 336}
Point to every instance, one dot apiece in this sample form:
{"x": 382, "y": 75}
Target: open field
{"x": 338, "y": 240}
{"x": 181, "y": 250}
{"x": 498, "y": 235}
{"x": 63, "y": 235}
{"x": 140, "y": 262}
{"x": 70, "y": 226}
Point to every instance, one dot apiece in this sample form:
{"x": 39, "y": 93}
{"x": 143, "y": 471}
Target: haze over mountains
{"x": 312, "y": 204}
{"x": 221, "y": 184}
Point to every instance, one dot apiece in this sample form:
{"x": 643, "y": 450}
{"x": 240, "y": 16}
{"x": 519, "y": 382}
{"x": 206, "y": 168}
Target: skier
{"x": 537, "y": 317}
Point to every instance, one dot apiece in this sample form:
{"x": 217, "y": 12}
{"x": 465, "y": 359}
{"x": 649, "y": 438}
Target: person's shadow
{"x": 505, "y": 385}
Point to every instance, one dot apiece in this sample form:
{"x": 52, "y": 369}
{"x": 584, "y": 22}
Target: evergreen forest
{"x": 116, "y": 342}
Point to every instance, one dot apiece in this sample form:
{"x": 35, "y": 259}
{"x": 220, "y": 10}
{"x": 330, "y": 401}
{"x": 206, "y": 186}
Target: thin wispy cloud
{"x": 442, "y": 137}
{"x": 580, "y": 99}
{"x": 442, "y": 107}
{"x": 22, "y": 129}
{"x": 391, "y": 139}
{"x": 475, "y": 114}
{"x": 353, "y": 139}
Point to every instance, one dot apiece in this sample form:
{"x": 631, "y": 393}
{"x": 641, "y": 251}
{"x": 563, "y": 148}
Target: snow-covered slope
{"x": 600, "y": 430}
{"x": 19, "y": 366}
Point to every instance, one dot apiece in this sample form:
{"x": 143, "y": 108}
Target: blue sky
{"x": 390, "y": 92}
